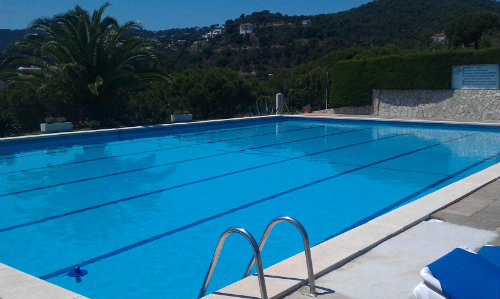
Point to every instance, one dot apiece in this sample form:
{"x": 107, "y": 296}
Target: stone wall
{"x": 351, "y": 110}
{"x": 354, "y": 110}
{"x": 460, "y": 104}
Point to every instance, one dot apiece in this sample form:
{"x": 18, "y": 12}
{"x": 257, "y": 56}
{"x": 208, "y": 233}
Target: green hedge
{"x": 353, "y": 80}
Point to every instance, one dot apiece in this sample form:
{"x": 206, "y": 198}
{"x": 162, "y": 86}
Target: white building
{"x": 247, "y": 28}
{"x": 306, "y": 23}
{"x": 440, "y": 37}
{"x": 33, "y": 69}
{"x": 219, "y": 30}
{"x": 28, "y": 69}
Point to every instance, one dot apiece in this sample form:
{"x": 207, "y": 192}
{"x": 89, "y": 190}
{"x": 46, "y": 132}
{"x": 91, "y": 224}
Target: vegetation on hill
{"x": 111, "y": 79}
{"x": 480, "y": 29}
{"x": 281, "y": 42}
{"x": 7, "y": 36}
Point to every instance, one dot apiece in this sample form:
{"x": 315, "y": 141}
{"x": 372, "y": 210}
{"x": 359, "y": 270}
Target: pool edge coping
{"x": 403, "y": 120}
{"x": 113, "y": 131}
{"x": 117, "y": 131}
{"x": 290, "y": 274}
{"x": 19, "y": 285}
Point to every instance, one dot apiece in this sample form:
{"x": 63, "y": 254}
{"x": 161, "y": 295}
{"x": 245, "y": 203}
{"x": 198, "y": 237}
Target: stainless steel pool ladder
{"x": 257, "y": 257}
{"x": 256, "y": 252}
{"x": 307, "y": 248}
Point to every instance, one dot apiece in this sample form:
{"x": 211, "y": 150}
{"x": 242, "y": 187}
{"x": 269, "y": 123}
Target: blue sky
{"x": 158, "y": 14}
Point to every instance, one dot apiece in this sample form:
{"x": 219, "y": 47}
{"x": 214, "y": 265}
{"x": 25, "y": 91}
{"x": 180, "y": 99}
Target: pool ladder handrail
{"x": 215, "y": 258}
{"x": 307, "y": 248}
{"x": 257, "y": 257}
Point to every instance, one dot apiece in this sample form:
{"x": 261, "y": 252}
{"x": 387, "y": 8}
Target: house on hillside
{"x": 247, "y": 28}
{"x": 34, "y": 69}
{"x": 28, "y": 69}
{"x": 219, "y": 30}
{"x": 440, "y": 37}
{"x": 273, "y": 24}
{"x": 306, "y": 23}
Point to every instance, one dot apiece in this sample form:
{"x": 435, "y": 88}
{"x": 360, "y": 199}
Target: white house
{"x": 28, "y": 69}
{"x": 440, "y": 37}
{"x": 33, "y": 69}
{"x": 306, "y": 23}
{"x": 219, "y": 30}
{"x": 247, "y": 28}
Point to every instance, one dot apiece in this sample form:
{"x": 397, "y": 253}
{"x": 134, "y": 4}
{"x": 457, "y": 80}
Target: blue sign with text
{"x": 478, "y": 76}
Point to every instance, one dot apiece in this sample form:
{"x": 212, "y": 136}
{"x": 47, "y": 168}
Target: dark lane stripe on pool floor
{"x": 156, "y": 150}
{"x": 233, "y": 210}
{"x": 171, "y": 163}
{"x": 349, "y": 164}
{"x": 184, "y": 185}
{"x": 124, "y": 141}
{"x": 413, "y": 195}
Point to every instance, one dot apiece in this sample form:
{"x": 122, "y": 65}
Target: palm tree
{"x": 86, "y": 59}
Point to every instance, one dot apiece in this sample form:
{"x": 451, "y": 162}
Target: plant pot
{"x": 177, "y": 118}
{"x": 56, "y": 127}
{"x": 307, "y": 110}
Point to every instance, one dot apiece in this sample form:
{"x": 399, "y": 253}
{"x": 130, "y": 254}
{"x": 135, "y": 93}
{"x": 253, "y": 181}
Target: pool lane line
{"x": 155, "y": 150}
{"x": 411, "y": 196}
{"x": 233, "y": 210}
{"x": 350, "y": 164}
{"x": 170, "y": 163}
{"x": 184, "y": 185}
{"x": 135, "y": 140}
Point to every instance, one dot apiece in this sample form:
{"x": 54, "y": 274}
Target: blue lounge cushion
{"x": 466, "y": 275}
{"x": 491, "y": 253}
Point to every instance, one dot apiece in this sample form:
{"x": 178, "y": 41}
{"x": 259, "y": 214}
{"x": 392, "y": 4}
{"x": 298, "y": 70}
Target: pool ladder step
{"x": 256, "y": 259}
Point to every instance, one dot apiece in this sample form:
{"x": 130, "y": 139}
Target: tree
{"x": 469, "y": 28}
{"x": 85, "y": 59}
{"x": 23, "y": 106}
{"x": 213, "y": 92}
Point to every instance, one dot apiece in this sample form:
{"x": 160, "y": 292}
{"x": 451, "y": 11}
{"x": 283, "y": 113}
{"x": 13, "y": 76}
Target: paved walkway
{"x": 391, "y": 269}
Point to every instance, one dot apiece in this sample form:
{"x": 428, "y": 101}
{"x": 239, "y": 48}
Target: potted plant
{"x": 307, "y": 109}
{"x": 58, "y": 124}
{"x": 181, "y": 116}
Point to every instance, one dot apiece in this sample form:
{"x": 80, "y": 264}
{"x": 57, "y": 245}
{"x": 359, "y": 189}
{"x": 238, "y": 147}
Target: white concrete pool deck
{"x": 391, "y": 270}
{"x": 15, "y": 284}
{"x": 289, "y": 275}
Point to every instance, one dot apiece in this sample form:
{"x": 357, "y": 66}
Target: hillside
{"x": 281, "y": 42}
{"x": 7, "y": 36}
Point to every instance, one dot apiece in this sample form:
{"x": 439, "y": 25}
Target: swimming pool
{"x": 143, "y": 215}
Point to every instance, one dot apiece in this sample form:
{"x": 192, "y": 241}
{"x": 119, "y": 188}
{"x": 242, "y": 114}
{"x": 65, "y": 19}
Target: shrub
{"x": 23, "y": 105}
{"x": 354, "y": 80}
{"x": 50, "y": 120}
{"x": 8, "y": 126}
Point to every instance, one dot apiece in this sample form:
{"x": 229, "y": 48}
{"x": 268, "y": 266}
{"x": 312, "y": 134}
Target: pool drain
{"x": 77, "y": 272}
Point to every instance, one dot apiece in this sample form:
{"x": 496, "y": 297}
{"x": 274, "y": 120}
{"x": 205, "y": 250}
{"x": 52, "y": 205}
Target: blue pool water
{"x": 143, "y": 215}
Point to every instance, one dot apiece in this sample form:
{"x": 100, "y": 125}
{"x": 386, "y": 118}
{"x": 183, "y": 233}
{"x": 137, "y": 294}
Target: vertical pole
{"x": 326, "y": 92}
{"x": 280, "y": 99}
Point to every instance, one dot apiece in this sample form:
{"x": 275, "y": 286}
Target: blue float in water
{"x": 77, "y": 272}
